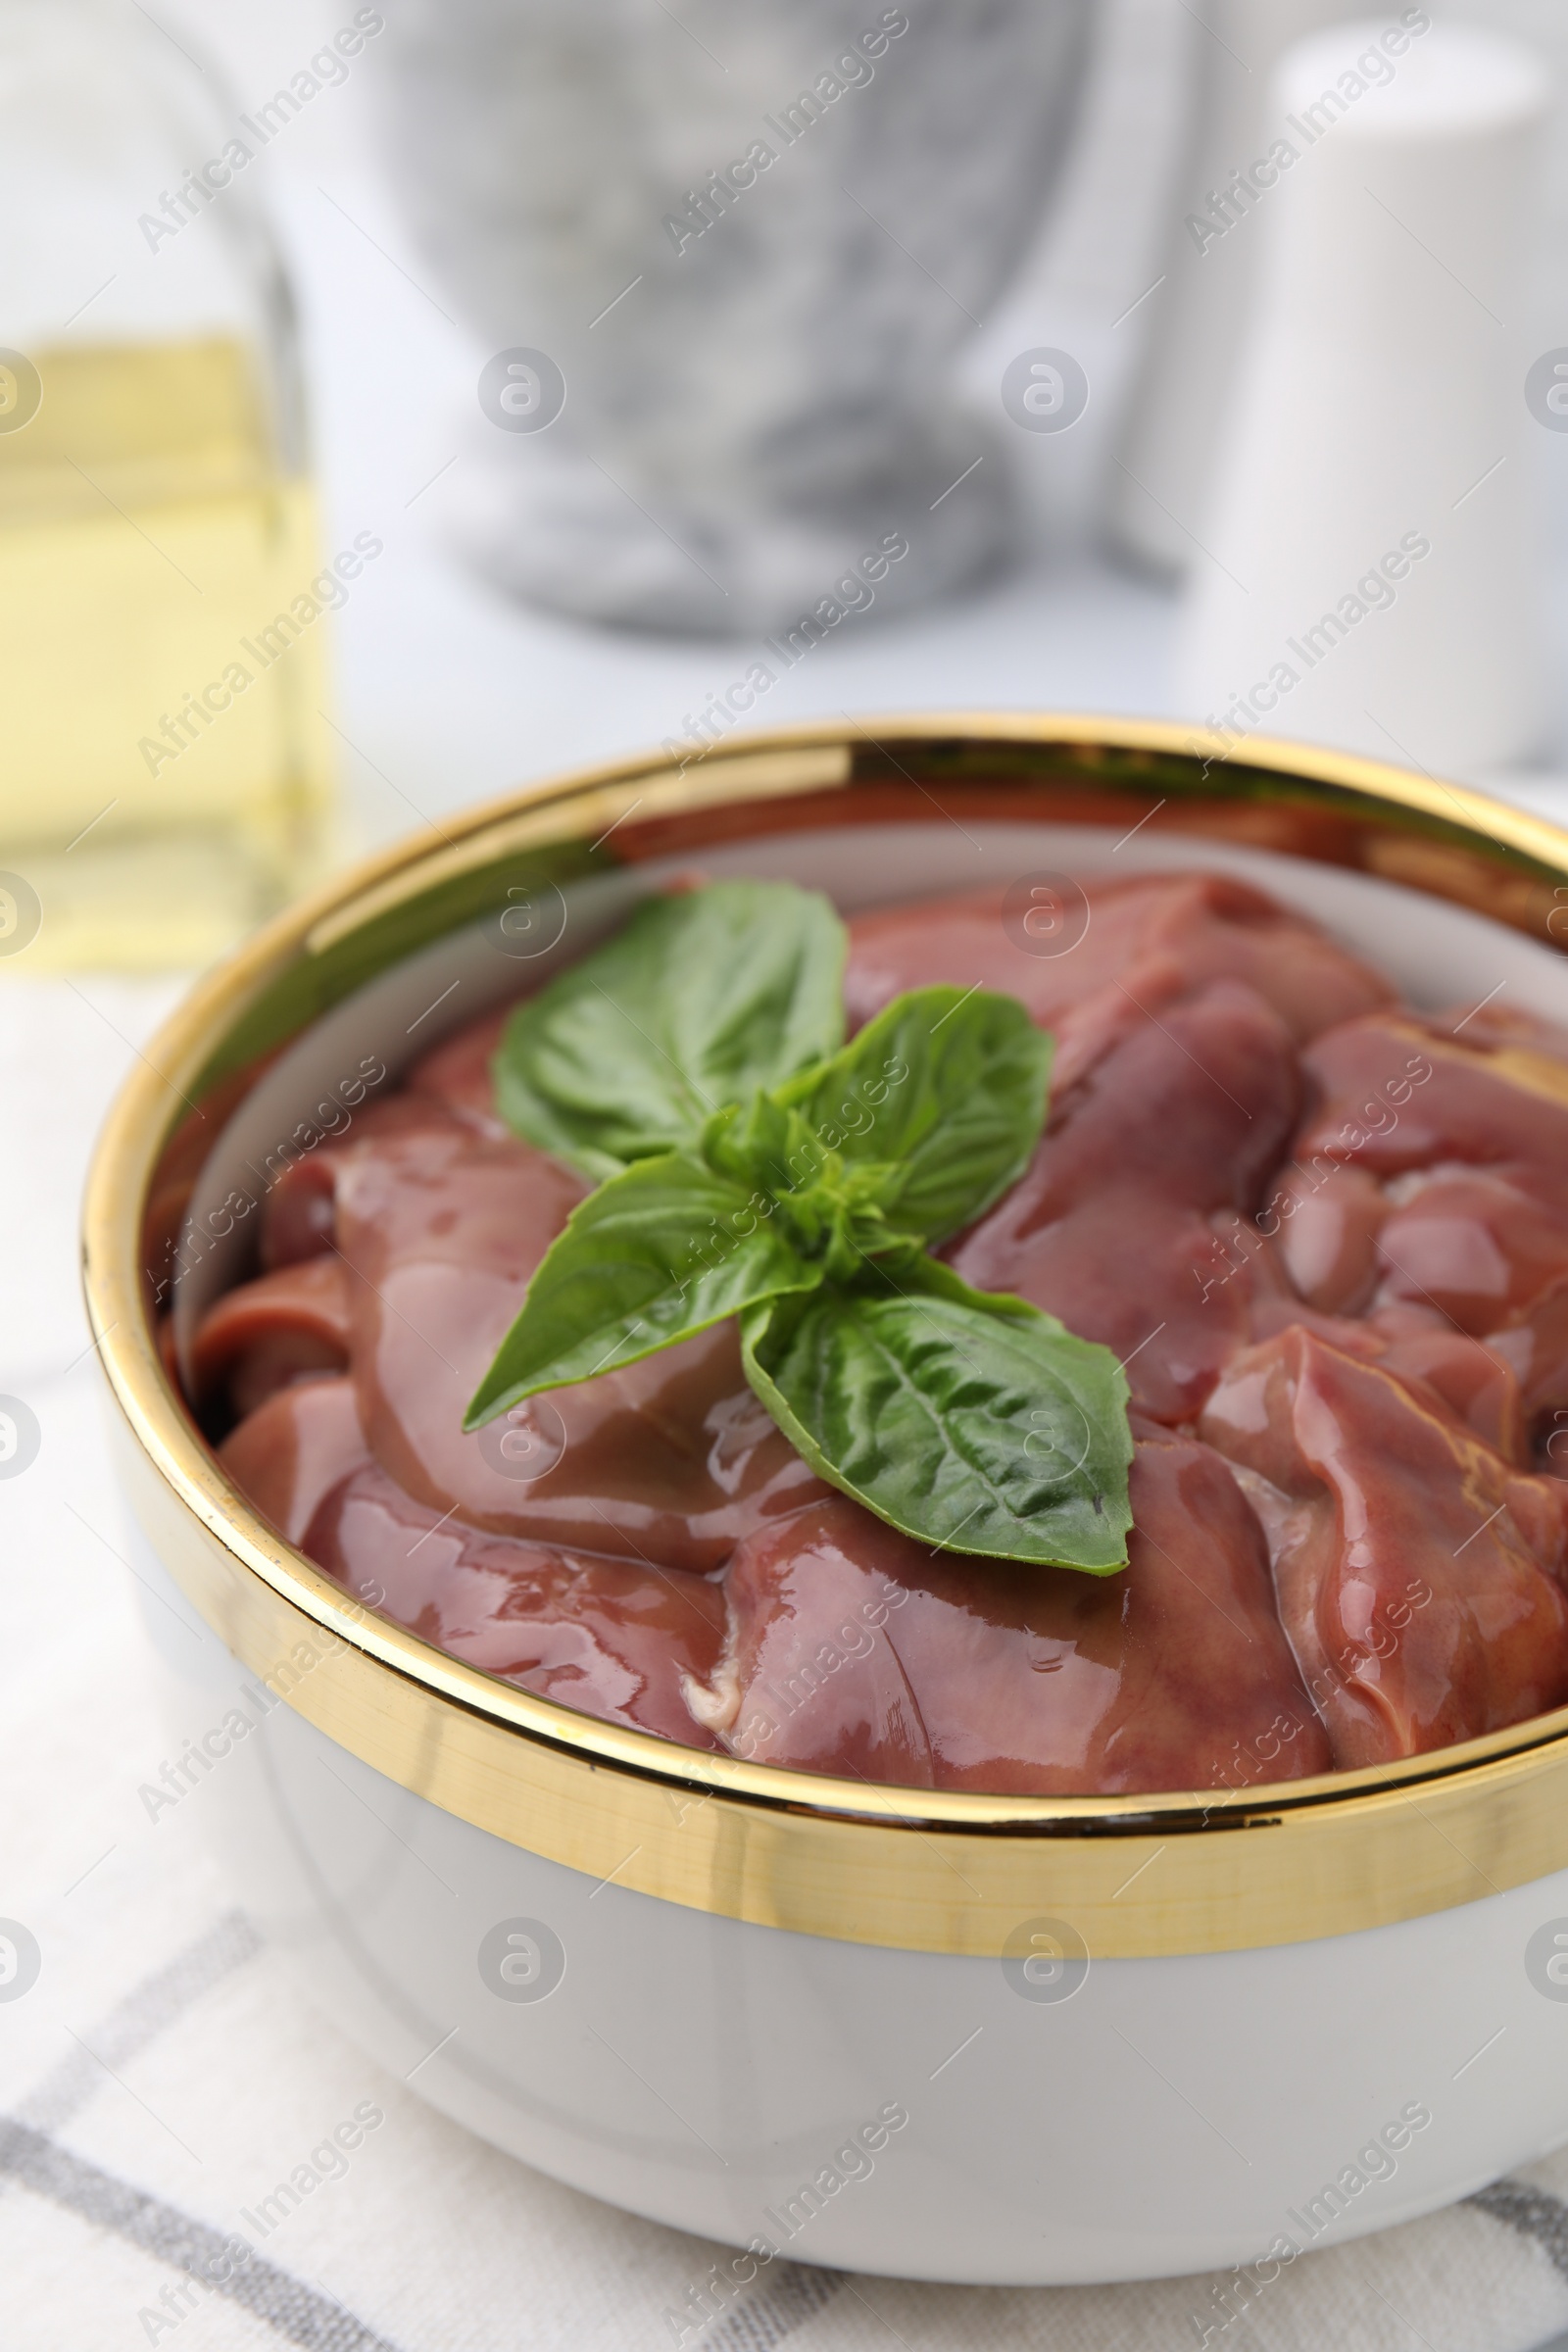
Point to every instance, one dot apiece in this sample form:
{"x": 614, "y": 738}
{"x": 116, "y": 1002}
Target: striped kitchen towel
{"x": 144, "y": 2144}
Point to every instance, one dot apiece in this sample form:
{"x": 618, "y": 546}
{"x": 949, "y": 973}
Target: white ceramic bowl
{"x": 927, "y": 2033}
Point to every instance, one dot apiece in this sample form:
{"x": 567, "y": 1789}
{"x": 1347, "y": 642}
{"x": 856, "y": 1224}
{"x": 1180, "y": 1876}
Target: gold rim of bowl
{"x": 1213, "y": 1869}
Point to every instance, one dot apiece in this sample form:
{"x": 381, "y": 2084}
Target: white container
{"x": 1198, "y": 313}
{"x": 1367, "y": 573}
{"x": 927, "y": 2033}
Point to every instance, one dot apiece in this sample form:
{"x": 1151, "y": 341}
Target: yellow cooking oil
{"x": 164, "y": 775}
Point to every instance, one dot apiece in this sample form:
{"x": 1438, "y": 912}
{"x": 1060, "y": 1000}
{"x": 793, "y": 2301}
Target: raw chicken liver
{"x": 1330, "y": 1238}
{"x": 1147, "y": 940}
{"x": 611, "y": 1637}
{"x": 1113, "y": 1226}
{"x": 1417, "y": 1572}
{"x": 855, "y": 1649}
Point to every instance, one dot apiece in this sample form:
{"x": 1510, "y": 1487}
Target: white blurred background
{"x": 446, "y": 691}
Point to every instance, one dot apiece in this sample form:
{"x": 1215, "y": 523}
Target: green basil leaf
{"x": 696, "y": 1003}
{"x": 945, "y": 1091}
{"x": 971, "y": 1421}
{"x": 653, "y": 1257}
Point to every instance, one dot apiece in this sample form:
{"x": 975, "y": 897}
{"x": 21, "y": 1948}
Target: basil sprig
{"x": 751, "y": 1166}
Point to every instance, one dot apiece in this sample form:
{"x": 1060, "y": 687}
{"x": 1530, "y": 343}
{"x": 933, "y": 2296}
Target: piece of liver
{"x": 853, "y": 1649}
{"x": 285, "y": 1326}
{"x": 613, "y": 1638}
{"x": 1113, "y": 1227}
{"x": 289, "y": 1454}
{"x": 1418, "y": 1573}
{"x": 1149, "y": 939}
